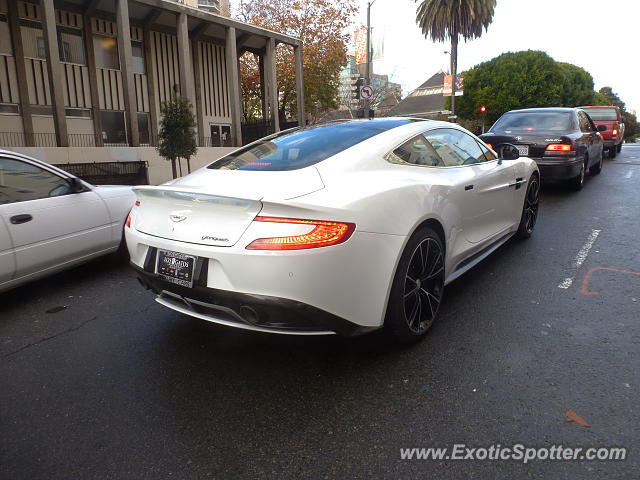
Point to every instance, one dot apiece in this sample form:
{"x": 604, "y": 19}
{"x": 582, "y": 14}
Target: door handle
{"x": 468, "y": 187}
{"x": 18, "y": 219}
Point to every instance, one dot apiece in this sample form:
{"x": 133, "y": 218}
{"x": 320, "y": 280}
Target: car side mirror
{"x": 507, "y": 151}
{"x": 602, "y": 128}
{"x": 76, "y": 185}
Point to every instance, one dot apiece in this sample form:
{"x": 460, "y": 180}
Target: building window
{"x": 9, "y": 108}
{"x": 106, "y": 52}
{"x": 113, "y": 127}
{"x": 77, "y": 112}
{"x": 71, "y": 47}
{"x": 5, "y": 38}
{"x": 33, "y": 42}
{"x": 143, "y": 128}
{"x": 220, "y": 135}
{"x": 138, "y": 57}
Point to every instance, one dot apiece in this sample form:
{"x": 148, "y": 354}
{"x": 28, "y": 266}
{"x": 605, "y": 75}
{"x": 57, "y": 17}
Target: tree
{"x": 599, "y": 99}
{"x": 177, "y": 135}
{"x": 578, "y": 86}
{"x": 613, "y": 98}
{"x": 321, "y": 25}
{"x": 511, "y": 81}
{"x": 442, "y": 19}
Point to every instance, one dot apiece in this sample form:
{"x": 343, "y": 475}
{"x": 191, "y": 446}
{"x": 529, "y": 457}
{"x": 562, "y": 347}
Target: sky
{"x": 601, "y": 36}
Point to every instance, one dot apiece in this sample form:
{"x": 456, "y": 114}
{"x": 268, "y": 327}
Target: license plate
{"x": 523, "y": 150}
{"x": 176, "y": 267}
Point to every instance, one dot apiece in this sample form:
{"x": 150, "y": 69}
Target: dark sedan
{"x": 564, "y": 142}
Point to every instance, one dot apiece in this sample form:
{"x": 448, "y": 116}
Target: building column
{"x": 151, "y": 86}
{"x": 197, "y": 77}
{"x": 231, "y": 56}
{"x": 184, "y": 60}
{"x": 263, "y": 96}
{"x": 126, "y": 70}
{"x": 93, "y": 80}
{"x": 297, "y": 49}
{"x": 21, "y": 73}
{"x": 271, "y": 83}
{"x": 54, "y": 71}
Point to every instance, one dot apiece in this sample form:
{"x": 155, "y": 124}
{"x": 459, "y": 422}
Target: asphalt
{"x": 99, "y": 381}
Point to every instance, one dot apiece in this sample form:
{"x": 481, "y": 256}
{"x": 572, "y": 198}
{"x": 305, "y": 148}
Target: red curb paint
{"x": 587, "y": 278}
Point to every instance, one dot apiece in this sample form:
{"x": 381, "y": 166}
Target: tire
{"x": 597, "y": 168}
{"x": 530, "y": 208}
{"x": 619, "y": 147}
{"x": 613, "y": 151}
{"x": 417, "y": 288}
{"x": 578, "y": 182}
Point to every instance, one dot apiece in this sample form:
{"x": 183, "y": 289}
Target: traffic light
{"x": 359, "y": 83}
{"x": 483, "y": 109}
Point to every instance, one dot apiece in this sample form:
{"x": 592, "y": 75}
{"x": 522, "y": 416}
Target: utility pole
{"x": 367, "y": 78}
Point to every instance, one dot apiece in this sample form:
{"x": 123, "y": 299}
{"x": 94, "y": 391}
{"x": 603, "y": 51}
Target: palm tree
{"x": 442, "y": 19}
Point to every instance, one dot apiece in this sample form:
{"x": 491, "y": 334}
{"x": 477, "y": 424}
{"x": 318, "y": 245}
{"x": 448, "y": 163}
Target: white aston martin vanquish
{"x": 336, "y": 228}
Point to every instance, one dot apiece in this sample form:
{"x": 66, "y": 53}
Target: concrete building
{"x": 84, "y": 79}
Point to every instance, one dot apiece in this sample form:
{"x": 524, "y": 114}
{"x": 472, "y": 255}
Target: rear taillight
{"x": 323, "y": 234}
{"x": 137, "y": 203}
{"x": 615, "y": 132}
{"x": 559, "y": 147}
{"x": 128, "y": 222}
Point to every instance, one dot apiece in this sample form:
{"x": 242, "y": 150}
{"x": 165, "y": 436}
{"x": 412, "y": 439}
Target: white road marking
{"x": 580, "y": 258}
{"x": 629, "y": 174}
{"x": 566, "y": 283}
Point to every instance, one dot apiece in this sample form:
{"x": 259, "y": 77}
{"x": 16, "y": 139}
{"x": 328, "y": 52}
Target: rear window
{"x": 533, "y": 121}
{"x": 302, "y": 148}
{"x": 602, "y": 114}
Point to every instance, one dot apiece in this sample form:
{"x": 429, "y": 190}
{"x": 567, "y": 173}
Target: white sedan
{"x": 51, "y": 220}
{"x": 337, "y": 228}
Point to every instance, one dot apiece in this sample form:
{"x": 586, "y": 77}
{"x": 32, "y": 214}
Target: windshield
{"x": 533, "y": 121}
{"x": 303, "y": 148}
{"x": 602, "y": 114}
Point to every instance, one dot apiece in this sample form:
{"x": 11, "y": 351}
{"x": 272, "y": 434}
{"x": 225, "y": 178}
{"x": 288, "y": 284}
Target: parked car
{"x": 611, "y": 119}
{"x": 339, "y": 228}
{"x": 564, "y": 142}
{"x": 51, "y": 220}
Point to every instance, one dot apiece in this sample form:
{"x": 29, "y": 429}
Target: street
{"x": 99, "y": 381}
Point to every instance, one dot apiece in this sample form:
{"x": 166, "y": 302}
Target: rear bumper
{"x": 556, "y": 169}
{"x": 611, "y": 143}
{"x": 260, "y": 313}
{"x": 341, "y": 280}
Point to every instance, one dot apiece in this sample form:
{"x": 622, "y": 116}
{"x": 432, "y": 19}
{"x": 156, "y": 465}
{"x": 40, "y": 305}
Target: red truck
{"x": 610, "y": 117}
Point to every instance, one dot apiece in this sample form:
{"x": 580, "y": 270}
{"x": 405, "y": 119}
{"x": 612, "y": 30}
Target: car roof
{"x": 545, "y": 109}
{"x": 36, "y": 161}
{"x": 382, "y": 123}
{"x": 599, "y": 106}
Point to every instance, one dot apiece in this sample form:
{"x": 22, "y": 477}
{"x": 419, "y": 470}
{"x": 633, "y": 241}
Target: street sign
{"x": 366, "y": 92}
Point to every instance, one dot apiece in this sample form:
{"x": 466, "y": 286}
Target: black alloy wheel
{"x": 417, "y": 288}
{"x": 530, "y": 208}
